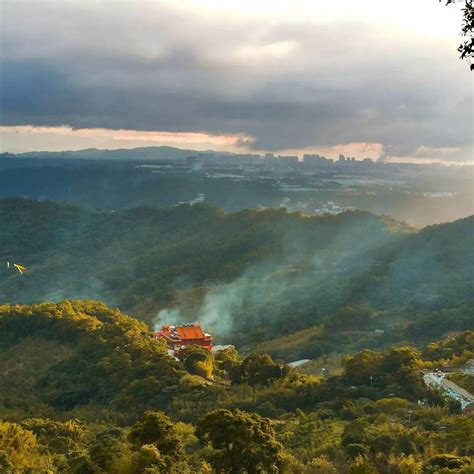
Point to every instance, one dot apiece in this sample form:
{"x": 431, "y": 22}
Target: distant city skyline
{"x": 377, "y": 79}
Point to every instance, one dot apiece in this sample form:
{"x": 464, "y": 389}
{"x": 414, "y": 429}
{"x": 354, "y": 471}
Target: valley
{"x": 313, "y": 285}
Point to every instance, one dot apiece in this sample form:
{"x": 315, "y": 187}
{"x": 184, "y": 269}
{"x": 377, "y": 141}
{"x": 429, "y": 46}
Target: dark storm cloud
{"x": 143, "y": 66}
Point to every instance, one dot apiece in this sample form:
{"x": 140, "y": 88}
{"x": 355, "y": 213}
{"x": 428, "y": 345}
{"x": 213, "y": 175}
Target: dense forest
{"x": 87, "y": 389}
{"x": 305, "y": 286}
{"x": 373, "y": 302}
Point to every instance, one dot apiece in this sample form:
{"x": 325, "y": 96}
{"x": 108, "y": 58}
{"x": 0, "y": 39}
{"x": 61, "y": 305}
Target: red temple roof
{"x": 190, "y": 332}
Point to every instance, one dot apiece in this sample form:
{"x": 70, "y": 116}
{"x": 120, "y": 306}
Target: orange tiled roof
{"x": 190, "y": 332}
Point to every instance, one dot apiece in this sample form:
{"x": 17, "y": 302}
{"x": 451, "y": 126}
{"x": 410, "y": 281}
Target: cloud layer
{"x": 290, "y": 83}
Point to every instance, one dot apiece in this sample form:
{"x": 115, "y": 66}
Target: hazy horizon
{"x": 332, "y": 154}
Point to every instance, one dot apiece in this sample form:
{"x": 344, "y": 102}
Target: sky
{"x": 370, "y": 78}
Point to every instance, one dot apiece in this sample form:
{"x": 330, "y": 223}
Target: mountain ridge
{"x": 248, "y": 275}
{"x": 141, "y": 153}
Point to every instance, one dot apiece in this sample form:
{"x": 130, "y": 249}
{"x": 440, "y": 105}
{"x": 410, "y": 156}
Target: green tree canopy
{"x": 197, "y": 361}
{"x": 241, "y": 442}
{"x": 157, "y": 429}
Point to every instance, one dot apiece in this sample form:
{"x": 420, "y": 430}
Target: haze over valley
{"x": 419, "y": 194}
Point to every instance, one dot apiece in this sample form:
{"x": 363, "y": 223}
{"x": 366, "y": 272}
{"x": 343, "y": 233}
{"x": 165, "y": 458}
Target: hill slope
{"x": 81, "y": 379}
{"x": 248, "y": 275}
{"x": 86, "y": 353}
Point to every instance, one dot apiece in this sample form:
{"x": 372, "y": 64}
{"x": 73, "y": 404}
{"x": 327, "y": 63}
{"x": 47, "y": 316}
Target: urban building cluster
{"x": 272, "y": 162}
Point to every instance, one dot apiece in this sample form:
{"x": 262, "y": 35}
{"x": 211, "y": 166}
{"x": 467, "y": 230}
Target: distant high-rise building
{"x": 287, "y": 161}
{"x": 316, "y": 161}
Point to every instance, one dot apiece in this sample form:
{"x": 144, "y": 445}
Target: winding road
{"x": 452, "y": 390}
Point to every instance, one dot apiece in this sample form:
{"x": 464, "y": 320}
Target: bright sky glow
{"x": 417, "y": 16}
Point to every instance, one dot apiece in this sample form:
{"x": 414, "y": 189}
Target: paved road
{"x": 452, "y": 390}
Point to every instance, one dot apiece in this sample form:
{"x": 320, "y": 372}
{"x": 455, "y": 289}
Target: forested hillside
{"x": 247, "y": 276}
{"x": 87, "y": 389}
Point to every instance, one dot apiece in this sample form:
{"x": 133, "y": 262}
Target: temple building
{"x": 187, "y": 334}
